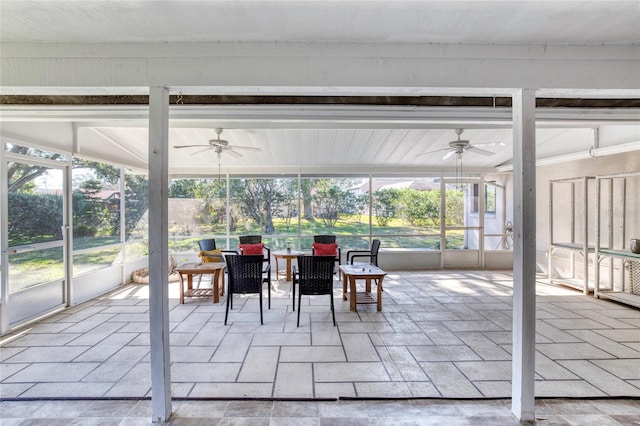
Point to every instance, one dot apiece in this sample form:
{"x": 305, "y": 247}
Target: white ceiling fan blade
{"x": 480, "y": 151}
{"x": 448, "y": 154}
{"x": 188, "y": 146}
{"x": 433, "y": 152}
{"x": 233, "y": 153}
{"x": 200, "y": 150}
{"x": 245, "y": 148}
{"x": 490, "y": 144}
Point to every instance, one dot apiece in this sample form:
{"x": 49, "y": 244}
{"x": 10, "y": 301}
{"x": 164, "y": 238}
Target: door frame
{"x": 462, "y": 258}
{"x": 6, "y": 302}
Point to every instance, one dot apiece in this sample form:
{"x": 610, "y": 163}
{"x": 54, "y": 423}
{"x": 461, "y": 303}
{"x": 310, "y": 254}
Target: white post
{"x": 4, "y": 244}
{"x": 67, "y": 227}
{"x": 159, "y": 253}
{"x": 524, "y": 255}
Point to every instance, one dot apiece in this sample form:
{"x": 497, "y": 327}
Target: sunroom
{"x": 518, "y": 177}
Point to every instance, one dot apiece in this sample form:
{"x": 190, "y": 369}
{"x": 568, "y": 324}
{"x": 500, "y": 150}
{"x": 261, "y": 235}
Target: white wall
{"x": 612, "y": 164}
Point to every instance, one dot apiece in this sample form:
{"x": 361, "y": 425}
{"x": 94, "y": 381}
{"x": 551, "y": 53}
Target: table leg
{"x": 288, "y": 269}
{"x": 367, "y": 286}
{"x": 380, "y": 293}
{"x": 277, "y": 269}
{"x": 181, "y": 289}
{"x": 215, "y": 283}
{"x": 221, "y": 282}
{"x": 344, "y": 286}
{"x": 352, "y": 294}
{"x": 189, "y": 281}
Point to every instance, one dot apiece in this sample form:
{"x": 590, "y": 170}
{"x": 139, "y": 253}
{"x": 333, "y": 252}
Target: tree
{"x": 306, "y": 188}
{"x": 257, "y": 198}
{"x": 95, "y": 214}
{"x": 25, "y": 227}
{"x": 332, "y": 198}
{"x": 182, "y": 188}
{"x": 136, "y": 205}
{"x": 385, "y": 205}
{"x": 20, "y": 175}
{"x": 88, "y": 210}
{"x": 360, "y": 205}
{"x": 287, "y": 207}
{"x": 454, "y": 201}
{"x": 421, "y": 208}
{"x": 197, "y": 188}
{"x": 212, "y": 194}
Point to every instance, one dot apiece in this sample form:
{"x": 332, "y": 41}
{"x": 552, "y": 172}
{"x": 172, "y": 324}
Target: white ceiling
{"x": 470, "y": 22}
{"x": 291, "y": 146}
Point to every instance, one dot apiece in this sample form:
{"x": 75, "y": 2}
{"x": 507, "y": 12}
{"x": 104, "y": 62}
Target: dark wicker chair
{"x": 245, "y": 277}
{"x": 209, "y": 244}
{"x": 206, "y": 245}
{"x": 314, "y": 276}
{"x": 327, "y": 239}
{"x": 266, "y": 260}
{"x": 371, "y": 254}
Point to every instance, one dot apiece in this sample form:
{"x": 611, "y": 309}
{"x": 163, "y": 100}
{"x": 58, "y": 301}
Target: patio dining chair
{"x": 313, "y": 276}
{"x": 326, "y": 245}
{"x": 371, "y": 255}
{"x": 209, "y": 253}
{"x": 208, "y": 244}
{"x": 252, "y": 245}
{"x": 245, "y": 277}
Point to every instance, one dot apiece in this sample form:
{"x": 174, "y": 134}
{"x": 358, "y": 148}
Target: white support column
{"x": 443, "y": 227}
{"x": 4, "y": 243}
{"x": 67, "y": 235}
{"x": 123, "y": 227}
{"x": 524, "y": 255}
{"x": 159, "y": 253}
{"x": 585, "y": 233}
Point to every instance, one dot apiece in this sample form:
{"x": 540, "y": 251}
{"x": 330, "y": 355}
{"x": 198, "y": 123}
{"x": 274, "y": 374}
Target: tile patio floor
{"x": 557, "y": 412}
{"x": 440, "y": 334}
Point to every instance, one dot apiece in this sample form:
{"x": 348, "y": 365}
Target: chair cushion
{"x": 320, "y": 249}
{"x": 251, "y": 248}
{"x": 211, "y": 256}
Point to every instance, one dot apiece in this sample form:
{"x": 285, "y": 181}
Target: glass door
{"x": 462, "y": 224}
{"x": 34, "y": 249}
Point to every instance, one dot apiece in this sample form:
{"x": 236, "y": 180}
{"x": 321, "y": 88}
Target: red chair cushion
{"x": 251, "y": 248}
{"x": 320, "y": 249}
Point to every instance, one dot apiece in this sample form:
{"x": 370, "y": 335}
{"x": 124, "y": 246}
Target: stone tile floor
{"x": 558, "y": 412}
{"x": 440, "y": 334}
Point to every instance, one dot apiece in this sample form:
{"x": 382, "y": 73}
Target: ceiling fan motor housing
{"x": 218, "y": 142}
{"x": 459, "y": 146}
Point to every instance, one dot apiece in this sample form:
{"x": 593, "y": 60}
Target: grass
{"x": 352, "y": 231}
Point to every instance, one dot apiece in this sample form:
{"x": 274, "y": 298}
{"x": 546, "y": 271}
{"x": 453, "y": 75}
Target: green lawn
{"x": 31, "y": 268}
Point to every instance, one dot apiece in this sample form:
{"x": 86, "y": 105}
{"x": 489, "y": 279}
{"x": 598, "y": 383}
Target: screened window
{"x": 406, "y": 212}
{"x": 96, "y": 204}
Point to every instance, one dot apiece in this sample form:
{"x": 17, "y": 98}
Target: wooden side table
{"x": 288, "y": 255}
{"x": 191, "y": 269}
{"x": 351, "y": 273}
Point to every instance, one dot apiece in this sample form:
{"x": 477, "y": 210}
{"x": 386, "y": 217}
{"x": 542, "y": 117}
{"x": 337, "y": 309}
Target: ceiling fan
{"x": 459, "y": 146}
{"x": 219, "y": 146}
